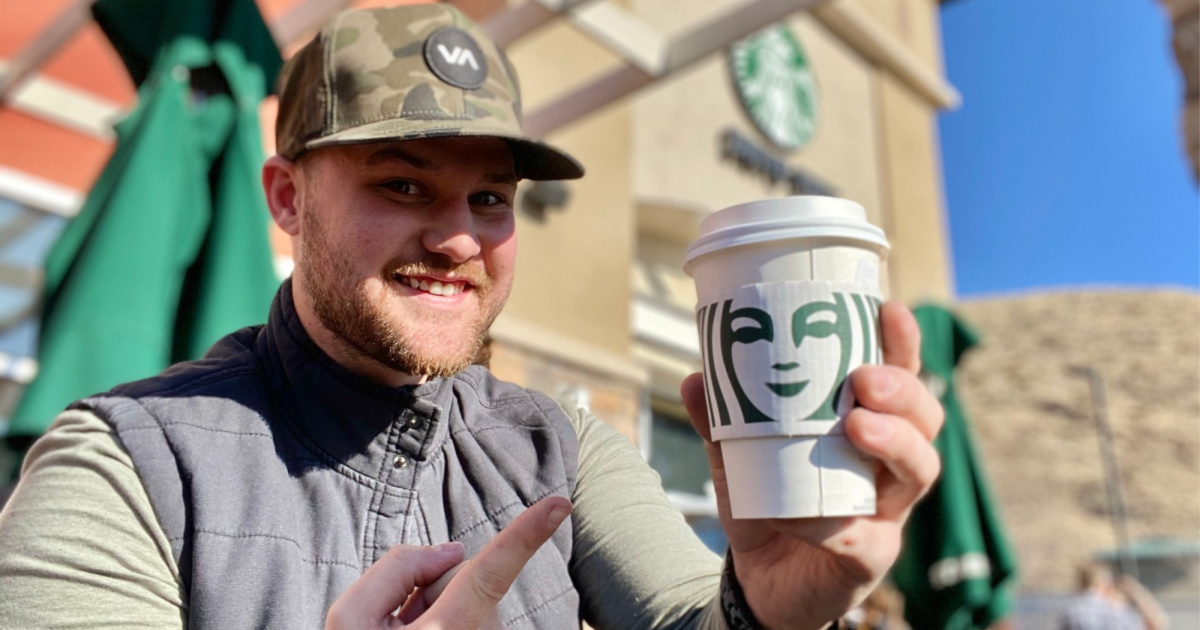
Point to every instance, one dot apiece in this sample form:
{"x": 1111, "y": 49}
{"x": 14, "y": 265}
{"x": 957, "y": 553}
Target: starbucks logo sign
{"x": 776, "y": 356}
{"x": 776, "y": 86}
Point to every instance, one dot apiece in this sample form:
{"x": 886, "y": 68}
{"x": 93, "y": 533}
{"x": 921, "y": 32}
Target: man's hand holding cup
{"x": 817, "y": 430}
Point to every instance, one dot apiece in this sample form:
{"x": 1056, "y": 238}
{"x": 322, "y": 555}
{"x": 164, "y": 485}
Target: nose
{"x": 452, "y": 232}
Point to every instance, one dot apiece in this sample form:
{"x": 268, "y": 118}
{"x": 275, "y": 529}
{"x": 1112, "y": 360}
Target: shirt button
{"x": 413, "y": 422}
{"x": 400, "y": 461}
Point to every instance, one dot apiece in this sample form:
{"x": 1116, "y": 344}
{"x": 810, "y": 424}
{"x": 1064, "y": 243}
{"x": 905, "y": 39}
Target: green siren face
{"x": 776, "y": 86}
{"x": 781, "y": 352}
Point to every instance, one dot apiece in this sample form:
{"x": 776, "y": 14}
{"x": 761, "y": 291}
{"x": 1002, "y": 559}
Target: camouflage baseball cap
{"x": 403, "y": 73}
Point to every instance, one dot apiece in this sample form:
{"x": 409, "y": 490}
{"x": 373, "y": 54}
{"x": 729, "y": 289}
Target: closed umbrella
{"x": 170, "y": 251}
{"x": 956, "y": 567}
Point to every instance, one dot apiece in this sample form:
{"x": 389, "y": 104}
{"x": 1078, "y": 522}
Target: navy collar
{"x": 357, "y": 422}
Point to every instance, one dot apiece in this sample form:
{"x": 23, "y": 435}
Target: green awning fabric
{"x": 170, "y": 251}
{"x": 956, "y": 568}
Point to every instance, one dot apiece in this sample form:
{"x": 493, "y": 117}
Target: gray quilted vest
{"x": 279, "y": 476}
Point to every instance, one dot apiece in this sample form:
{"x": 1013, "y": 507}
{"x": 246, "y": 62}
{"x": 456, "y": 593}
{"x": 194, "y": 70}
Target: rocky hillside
{"x": 1033, "y": 418}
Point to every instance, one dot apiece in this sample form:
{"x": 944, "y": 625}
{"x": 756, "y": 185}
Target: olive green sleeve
{"x": 81, "y": 547}
{"x": 636, "y": 563}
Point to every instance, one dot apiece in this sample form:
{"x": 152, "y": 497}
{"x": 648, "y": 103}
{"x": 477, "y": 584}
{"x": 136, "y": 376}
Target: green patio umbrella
{"x": 956, "y": 567}
{"x": 170, "y": 251}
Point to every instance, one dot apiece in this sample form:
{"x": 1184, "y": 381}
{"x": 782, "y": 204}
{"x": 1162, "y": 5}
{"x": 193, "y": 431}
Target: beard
{"x": 363, "y": 322}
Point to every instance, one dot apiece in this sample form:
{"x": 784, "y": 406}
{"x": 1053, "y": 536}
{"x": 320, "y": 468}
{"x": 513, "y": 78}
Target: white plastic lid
{"x": 782, "y": 219}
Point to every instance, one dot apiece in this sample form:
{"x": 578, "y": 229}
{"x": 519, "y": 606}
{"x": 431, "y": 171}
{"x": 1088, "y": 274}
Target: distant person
{"x": 1106, "y": 603}
{"x": 883, "y": 609}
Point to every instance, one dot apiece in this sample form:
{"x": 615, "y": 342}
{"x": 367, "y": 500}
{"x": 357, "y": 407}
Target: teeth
{"x": 436, "y": 287}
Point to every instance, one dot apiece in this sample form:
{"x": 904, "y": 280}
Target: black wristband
{"x": 738, "y": 615}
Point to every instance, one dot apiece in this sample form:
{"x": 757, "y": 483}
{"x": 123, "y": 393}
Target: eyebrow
{"x": 392, "y": 153}
{"x": 501, "y": 178}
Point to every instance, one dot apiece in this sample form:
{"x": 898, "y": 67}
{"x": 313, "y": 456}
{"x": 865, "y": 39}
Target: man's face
{"x": 405, "y": 250}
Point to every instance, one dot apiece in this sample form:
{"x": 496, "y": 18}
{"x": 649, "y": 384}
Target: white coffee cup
{"x": 788, "y": 305}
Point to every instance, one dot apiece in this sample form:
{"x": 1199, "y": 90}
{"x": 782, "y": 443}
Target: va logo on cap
{"x": 455, "y": 57}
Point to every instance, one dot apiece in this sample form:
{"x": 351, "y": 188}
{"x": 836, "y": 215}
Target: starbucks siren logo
{"x": 776, "y": 86}
{"x": 779, "y": 353}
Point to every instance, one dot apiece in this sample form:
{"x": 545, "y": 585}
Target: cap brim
{"x": 533, "y": 159}
{"x": 540, "y": 161}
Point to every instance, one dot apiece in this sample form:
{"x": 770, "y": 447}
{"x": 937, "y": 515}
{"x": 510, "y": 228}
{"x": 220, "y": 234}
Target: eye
{"x": 488, "y": 198}
{"x": 401, "y": 186}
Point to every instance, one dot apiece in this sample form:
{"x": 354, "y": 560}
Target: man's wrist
{"x": 734, "y": 606}
{"x": 736, "y": 609}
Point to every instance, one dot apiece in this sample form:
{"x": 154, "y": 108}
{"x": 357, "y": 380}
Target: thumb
{"x": 692, "y": 392}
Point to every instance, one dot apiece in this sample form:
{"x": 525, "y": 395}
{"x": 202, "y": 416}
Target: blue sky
{"x": 1064, "y": 166}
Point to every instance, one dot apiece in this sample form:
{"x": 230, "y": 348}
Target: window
{"x": 32, "y": 215}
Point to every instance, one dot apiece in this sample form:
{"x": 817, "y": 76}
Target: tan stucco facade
{"x": 601, "y": 302}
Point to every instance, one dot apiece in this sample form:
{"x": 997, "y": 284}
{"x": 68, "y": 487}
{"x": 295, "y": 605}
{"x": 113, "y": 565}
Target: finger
{"x": 896, "y": 391}
{"x": 387, "y": 584}
{"x": 901, "y": 336}
{"x": 470, "y": 597}
{"x": 425, "y": 596}
{"x": 692, "y": 392}
{"x": 910, "y": 462}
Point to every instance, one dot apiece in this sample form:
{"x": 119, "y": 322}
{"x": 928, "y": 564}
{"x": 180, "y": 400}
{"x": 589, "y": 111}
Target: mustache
{"x": 433, "y": 263}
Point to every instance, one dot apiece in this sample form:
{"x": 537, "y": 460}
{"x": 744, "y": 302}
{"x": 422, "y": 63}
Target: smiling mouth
{"x": 436, "y": 287}
{"x": 787, "y": 390}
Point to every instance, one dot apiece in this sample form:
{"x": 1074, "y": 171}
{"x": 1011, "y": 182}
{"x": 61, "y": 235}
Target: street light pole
{"x": 1112, "y": 471}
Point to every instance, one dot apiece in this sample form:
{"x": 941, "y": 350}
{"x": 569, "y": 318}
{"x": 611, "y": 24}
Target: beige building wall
{"x": 565, "y": 330}
{"x": 572, "y": 266}
{"x": 913, "y": 189}
{"x": 919, "y": 263}
{"x": 678, "y": 124}
{"x": 914, "y": 22}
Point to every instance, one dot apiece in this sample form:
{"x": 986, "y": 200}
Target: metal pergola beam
{"x": 515, "y": 22}
{"x": 649, "y": 56}
{"x": 301, "y": 19}
{"x": 675, "y": 54}
{"x": 855, "y": 27}
{"x": 42, "y": 48}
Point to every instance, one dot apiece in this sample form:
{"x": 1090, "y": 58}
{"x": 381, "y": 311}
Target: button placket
{"x": 413, "y": 433}
{"x": 401, "y": 463}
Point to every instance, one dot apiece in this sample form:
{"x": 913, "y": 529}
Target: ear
{"x": 280, "y": 181}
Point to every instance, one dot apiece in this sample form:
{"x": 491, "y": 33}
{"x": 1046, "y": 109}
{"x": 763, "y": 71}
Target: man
{"x": 1106, "y": 603}
{"x": 344, "y": 465}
